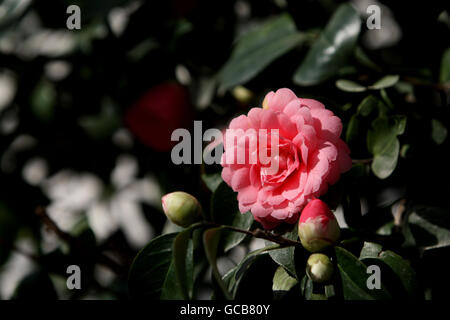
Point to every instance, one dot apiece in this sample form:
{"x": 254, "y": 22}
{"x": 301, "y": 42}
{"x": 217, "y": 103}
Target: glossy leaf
{"x": 282, "y": 281}
{"x": 331, "y": 51}
{"x": 354, "y": 278}
{"x": 184, "y": 262}
{"x": 382, "y": 142}
{"x": 150, "y": 268}
{"x": 171, "y": 289}
{"x": 285, "y": 256}
{"x": 233, "y": 277}
{"x": 257, "y": 49}
{"x": 401, "y": 268}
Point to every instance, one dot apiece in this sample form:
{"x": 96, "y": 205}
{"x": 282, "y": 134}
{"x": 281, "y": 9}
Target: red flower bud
{"x": 157, "y": 113}
{"x": 317, "y": 227}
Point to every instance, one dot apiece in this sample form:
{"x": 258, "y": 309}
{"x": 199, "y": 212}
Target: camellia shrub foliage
{"x": 358, "y": 207}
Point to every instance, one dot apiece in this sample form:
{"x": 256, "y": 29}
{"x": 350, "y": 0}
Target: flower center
{"x": 286, "y": 160}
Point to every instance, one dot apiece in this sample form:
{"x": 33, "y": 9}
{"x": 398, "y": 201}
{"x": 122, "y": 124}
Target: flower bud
{"x": 317, "y": 227}
{"x": 319, "y": 268}
{"x": 181, "y": 208}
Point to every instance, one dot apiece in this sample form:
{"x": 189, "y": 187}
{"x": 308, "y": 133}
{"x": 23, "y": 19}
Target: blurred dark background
{"x": 86, "y": 117}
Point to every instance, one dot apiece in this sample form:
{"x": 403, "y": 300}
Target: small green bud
{"x": 319, "y": 268}
{"x": 181, "y": 208}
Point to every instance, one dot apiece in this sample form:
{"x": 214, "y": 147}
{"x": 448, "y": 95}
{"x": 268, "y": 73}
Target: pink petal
{"x": 280, "y": 99}
{"x": 312, "y": 104}
{"x": 240, "y": 122}
{"x": 240, "y": 179}
{"x": 248, "y": 195}
{"x": 254, "y": 115}
{"x": 259, "y": 211}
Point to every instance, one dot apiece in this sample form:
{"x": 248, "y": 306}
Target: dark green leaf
{"x": 212, "y": 180}
{"x": 101, "y": 125}
{"x": 354, "y": 278}
{"x": 307, "y": 286}
{"x": 401, "y": 268}
{"x": 36, "y": 286}
{"x": 184, "y": 262}
{"x": 233, "y": 277}
{"x": 43, "y": 100}
{"x": 331, "y": 51}
{"x": 445, "y": 67}
{"x": 366, "y": 106}
{"x": 171, "y": 288}
{"x": 352, "y": 128}
{"x": 211, "y": 238}
{"x": 429, "y": 227}
{"x": 150, "y": 268}
{"x": 257, "y": 49}
{"x": 225, "y": 211}
{"x": 438, "y": 131}
{"x": 384, "y": 163}
{"x": 285, "y": 256}
{"x": 382, "y": 142}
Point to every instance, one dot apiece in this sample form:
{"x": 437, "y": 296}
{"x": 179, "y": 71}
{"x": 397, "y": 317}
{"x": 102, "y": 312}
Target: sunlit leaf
{"x": 150, "y": 268}
{"x": 330, "y": 52}
{"x": 349, "y": 86}
{"x": 282, "y": 281}
{"x": 184, "y": 263}
{"x": 385, "y": 82}
{"x": 258, "y": 48}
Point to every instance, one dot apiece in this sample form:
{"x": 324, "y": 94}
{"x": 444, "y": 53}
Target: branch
{"x": 258, "y": 233}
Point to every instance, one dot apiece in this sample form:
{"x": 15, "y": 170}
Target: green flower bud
{"x": 317, "y": 227}
{"x": 181, "y": 208}
{"x": 319, "y": 268}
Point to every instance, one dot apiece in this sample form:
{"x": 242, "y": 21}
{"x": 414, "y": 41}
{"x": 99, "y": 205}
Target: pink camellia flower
{"x": 301, "y": 138}
{"x": 317, "y": 227}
